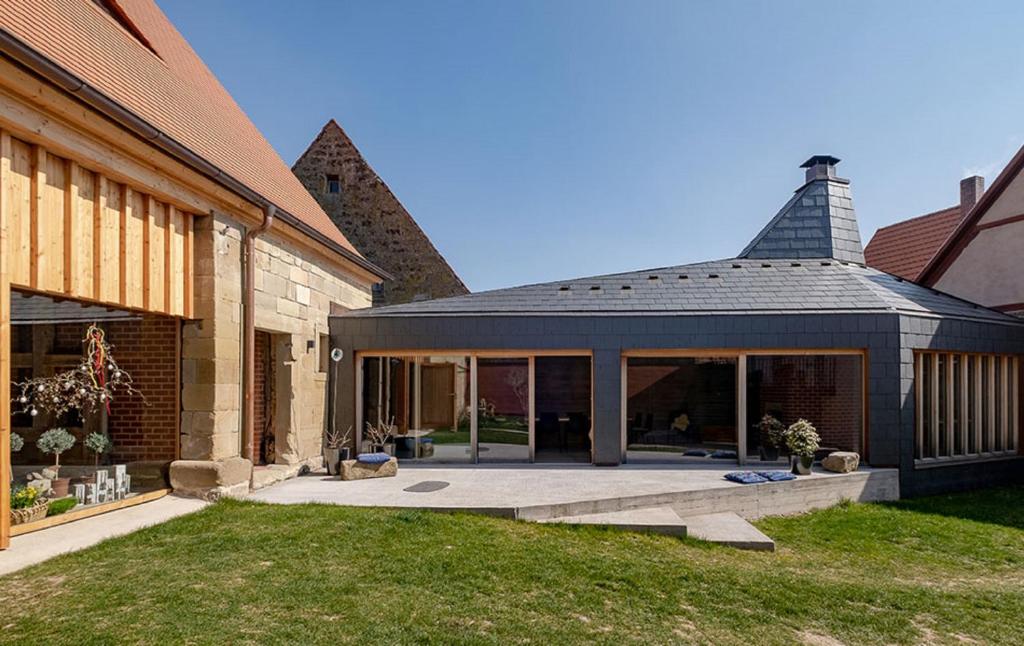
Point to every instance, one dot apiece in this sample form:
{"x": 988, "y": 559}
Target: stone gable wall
{"x": 373, "y": 219}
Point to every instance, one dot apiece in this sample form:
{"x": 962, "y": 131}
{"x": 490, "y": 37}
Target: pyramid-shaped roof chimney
{"x": 818, "y": 222}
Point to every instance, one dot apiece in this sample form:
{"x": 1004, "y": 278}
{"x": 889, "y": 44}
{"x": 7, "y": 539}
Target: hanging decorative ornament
{"x": 23, "y": 399}
{"x": 33, "y": 412}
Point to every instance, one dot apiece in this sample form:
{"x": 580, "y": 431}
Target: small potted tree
{"x": 381, "y": 437}
{"x": 99, "y": 444}
{"x": 773, "y": 436}
{"x": 57, "y": 441}
{"x": 17, "y": 443}
{"x": 336, "y": 449}
{"x": 803, "y": 440}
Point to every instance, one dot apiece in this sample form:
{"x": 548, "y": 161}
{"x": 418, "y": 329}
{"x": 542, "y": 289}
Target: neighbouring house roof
{"x": 906, "y": 247}
{"x": 957, "y": 241}
{"x": 129, "y": 51}
{"x": 734, "y": 286}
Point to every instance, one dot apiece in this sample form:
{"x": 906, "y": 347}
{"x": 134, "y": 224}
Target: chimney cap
{"x": 816, "y": 160}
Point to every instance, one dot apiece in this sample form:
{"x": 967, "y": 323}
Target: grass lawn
{"x": 937, "y": 570}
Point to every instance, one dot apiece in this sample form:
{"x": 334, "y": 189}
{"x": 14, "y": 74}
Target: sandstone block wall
{"x": 294, "y": 292}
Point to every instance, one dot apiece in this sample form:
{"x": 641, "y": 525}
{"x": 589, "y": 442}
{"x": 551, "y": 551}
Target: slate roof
{"x": 164, "y": 82}
{"x": 28, "y": 309}
{"x": 737, "y": 286}
{"x": 906, "y": 247}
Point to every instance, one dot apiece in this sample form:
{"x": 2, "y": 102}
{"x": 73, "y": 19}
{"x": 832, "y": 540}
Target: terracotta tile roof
{"x": 903, "y": 249}
{"x": 173, "y": 91}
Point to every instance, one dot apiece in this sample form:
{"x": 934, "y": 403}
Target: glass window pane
{"x": 826, "y": 390}
{"x": 680, "y": 409}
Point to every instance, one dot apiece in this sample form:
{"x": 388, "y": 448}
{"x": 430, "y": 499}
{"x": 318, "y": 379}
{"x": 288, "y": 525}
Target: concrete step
{"x": 652, "y": 520}
{"x": 728, "y": 528}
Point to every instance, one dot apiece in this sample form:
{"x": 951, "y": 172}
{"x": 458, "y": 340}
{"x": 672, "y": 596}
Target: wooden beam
{"x": 187, "y": 262}
{"x": 990, "y": 398}
{"x": 933, "y": 420}
{"x": 474, "y": 428}
{"x": 90, "y": 511}
{"x": 1004, "y": 402}
{"x": 147, "y": 225}
{"x": 532, "y": 383}
{"x": 99, "y": 205}
{"x": 624, "y": 407}
{"x": 5, "y": 345}
{"x": 1015, "y": 413}
{"x": 37, "y": 182}
{"x": 977, "y": 396}
{"x": 919, "y": 411}
{"x": 964, "y": 403}
{"x": 168, "y": 262}
{"x": 741, "y": 408}
{"x": 71, "y": 225}
{"x": 122, "y": 235}
{"x": 950, "y": 407}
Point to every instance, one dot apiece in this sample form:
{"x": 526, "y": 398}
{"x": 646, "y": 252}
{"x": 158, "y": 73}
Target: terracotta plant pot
{"x": 802, "y": 464}
{"x": 60, "y": 487}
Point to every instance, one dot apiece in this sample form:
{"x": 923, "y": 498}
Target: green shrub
{"x": 60, "y": 506}
{"x": 773, "y": 431}
{"x": 802, "y": 438}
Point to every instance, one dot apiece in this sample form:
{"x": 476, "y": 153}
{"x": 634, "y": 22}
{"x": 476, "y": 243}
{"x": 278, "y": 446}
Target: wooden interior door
{"x": 437, "y": 395}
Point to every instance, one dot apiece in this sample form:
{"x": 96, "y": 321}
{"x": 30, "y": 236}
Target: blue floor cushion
{"x": 373, "y": 458}
{"x": 745, "y": 477}
{"x": 697, "y": 453}
{"x": 724, "y": 455}
{"x": 776, "y": 476}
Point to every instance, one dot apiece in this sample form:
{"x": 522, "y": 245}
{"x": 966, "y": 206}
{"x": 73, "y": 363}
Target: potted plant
{"x": 773, "y": 435}
{"x": 57, "y": 441}
{"x": 803, "y": 440}
{"x": 381, "y": 437}
{"x": 26, "y": 505}
{"x": 99, "y": 444}
{"x": 336, "y": 449}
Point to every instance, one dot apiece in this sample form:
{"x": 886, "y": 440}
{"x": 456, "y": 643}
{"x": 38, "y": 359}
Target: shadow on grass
{"x": 996, "y": 506}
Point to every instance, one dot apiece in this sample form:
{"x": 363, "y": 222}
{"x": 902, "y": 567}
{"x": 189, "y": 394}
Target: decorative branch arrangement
{"x": 335, "y": 439}
{"x": 88, "y": 388}
{"x": 380, "y": 434}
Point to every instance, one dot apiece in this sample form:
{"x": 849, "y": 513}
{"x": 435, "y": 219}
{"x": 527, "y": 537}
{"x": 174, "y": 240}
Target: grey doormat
{"x": 427, "y": 486}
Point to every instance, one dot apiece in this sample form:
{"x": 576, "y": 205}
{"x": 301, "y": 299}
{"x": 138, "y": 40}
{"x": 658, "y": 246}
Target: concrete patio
{"x": 543, "y": 492}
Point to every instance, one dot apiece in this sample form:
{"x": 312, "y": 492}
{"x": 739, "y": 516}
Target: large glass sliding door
{"x": 484, "y": 408}
{"x": 562, "y": 416}
{"x": 423, "y": 403}
{"x": 681, "y": 409}
{"x": 503, "y": 409}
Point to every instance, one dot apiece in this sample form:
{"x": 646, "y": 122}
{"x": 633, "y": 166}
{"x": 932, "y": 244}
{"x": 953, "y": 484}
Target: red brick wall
{"x": 262, "y": 350}
{"x": 147, "y": 349}
{"x": 493, "y": 385}
{"x": 824, "y": 390}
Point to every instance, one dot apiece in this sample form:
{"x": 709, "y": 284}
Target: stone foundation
{"x": 211, "y": 479}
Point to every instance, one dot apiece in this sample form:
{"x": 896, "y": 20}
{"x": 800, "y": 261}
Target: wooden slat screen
{"x": 74, "y": 232}
{"x": 966, "y": 405}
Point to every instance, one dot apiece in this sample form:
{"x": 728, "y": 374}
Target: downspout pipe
{"x": 249, "y": 330}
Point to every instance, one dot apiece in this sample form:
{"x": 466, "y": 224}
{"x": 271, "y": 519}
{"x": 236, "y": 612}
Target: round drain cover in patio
{"x": 427, "y": 486}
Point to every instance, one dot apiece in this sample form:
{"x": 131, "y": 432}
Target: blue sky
{"x": 537, "y": 141}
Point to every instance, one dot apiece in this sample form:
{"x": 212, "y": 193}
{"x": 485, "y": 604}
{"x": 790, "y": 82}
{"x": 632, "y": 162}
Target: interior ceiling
{"x": 27, "y": 309}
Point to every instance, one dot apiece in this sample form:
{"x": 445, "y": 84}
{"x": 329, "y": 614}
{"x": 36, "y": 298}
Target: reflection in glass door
{"x": 503, "y": 410}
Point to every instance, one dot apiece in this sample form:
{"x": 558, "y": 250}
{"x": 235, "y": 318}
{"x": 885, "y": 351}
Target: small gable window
{"x": 333, "y": 184}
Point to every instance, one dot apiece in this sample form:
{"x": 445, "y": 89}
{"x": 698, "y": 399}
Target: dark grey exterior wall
{"x": 889, "y": 339}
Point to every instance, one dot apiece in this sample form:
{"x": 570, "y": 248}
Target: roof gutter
{"x": 41, "y": 65}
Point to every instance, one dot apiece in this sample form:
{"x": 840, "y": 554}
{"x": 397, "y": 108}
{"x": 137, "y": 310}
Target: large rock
{"x": 211, "y": 479}
{"x": 353, "y": 470}
{"x": 841, "y": 462}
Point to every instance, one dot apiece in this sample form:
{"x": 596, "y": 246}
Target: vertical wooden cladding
{"x": 75, "y": 232}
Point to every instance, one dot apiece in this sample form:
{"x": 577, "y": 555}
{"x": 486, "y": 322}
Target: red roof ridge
{"x": 916, "y": 218}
